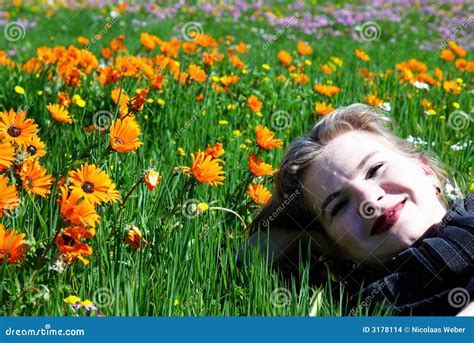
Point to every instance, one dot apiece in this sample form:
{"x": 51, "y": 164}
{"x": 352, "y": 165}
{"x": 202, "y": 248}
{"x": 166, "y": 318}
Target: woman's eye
{"x": 338, "y": 207}
{"x": 373, "y": 170}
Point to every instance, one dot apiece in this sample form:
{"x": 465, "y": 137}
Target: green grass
{"x": 189, "y": 265}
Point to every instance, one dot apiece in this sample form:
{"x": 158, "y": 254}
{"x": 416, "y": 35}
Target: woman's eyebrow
{"x": 359, "y": 167}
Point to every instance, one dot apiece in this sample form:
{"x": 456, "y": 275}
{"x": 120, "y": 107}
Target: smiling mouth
{"x": 387, "y": 219}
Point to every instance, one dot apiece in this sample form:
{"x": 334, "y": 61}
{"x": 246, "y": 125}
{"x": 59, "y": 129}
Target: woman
{"x": 370, "y": 206}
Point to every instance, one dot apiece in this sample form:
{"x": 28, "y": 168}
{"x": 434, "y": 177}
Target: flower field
{"x": 138, "y": 140}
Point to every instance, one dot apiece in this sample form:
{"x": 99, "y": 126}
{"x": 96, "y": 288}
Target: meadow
{"x": 138, "y": 141}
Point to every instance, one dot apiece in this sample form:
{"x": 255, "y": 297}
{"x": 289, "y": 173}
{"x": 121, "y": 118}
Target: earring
{"x": 438, "y": 190}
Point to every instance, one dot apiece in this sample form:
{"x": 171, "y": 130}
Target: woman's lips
{"x": 387, "y": 219}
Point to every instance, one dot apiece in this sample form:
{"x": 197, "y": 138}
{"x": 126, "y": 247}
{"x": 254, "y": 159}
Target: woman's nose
{"x": 368, "y": 198}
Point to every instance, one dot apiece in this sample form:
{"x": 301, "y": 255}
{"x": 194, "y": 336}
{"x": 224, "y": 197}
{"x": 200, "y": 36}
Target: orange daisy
{"x": 326, "y": 90}
{"x": 35, "y": 178}
{"x": 136, "y": 103}
{"x": 93, "y": 184}
{"x": 124, "y": 135}
{"x": 152, "y": 179}
{"x": 254, "y": 104}
{"x": 75, "y": 211}
{"x": 304, "y": 48}
{"x": 16, "y": 128}
{"x": 68, "y": 242}
{"x": 206, "y": 169}
{"x": 323, "y": 109}
{"x": 134, "y": 238}
{"x": 12, "y": 246}
{"x": 7, "y": 155}
{"x": 265, "y": 138}
{"x": 35, "y": 147}
{"x": 8, "y": 196}
{"x": 258, "y": 167}
{"x": 215, "y": 151}
{"x": 259, "y": 194}
{"x": 59, "y": 113}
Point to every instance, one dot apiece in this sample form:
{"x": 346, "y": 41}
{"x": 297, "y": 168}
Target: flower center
{"x": 118, "y": 140}
{"x": 13, "y": 131}
{"x": 31, "y": 150}
{"x": 88, "y": 187}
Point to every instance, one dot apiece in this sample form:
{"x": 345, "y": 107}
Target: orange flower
{"x": 34, "y": 147}
{"x": 447, "y": 55}
{"x": 326, "y": 69}
{"x": 259, "y": 194}
{"x": 16, "y": 128}
{"x": 362, "y": 55}
{"x": 59, "y": 113}
{"x": 285, "y": 58}
{"x": 451, "y": 87}
{"x": 93, "y": 184}
{"x": 134, "y": 238}
{"x": 215, "y": 151}
{"x": 373, "y": 100}
{"x": 68, "y": 242}
{"x": 254, "y": 104}
{"x": 323, "y": 109}
{"x": 457, "y": 49}
{"x": 77, "y": 212}
{"x": 304, "y": 48}
{"x": 265, "y": 138}
{"x": 152, "y": 179}
{"x": 149, "y": 41}
{"x": 124, "y": 135}
{"x": 258, "y": 167}
{"x": 7, "y": 155}
{"x": 326, "y": 89}
{"x": 461, "y": 64}
{"x": 12, "y": 246}
{"x": 136, "y": 103}
{"x": 82, "y": 40}
{"x": 439, "y": 74}
{"x": 8, "y": 196}
{"x": 196, "y": 73}
{"x": 35, "y": 178}
{"x": 206, "y": 169}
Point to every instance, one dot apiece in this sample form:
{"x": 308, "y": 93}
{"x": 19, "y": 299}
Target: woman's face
{"x": 372, "y": 200}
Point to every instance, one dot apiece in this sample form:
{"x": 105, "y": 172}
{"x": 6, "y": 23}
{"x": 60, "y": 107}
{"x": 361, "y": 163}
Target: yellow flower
{"x": 72, "y": 299}
{"x": 472, "y": 187}
{"x": 176, "y": 302}
{"x": 202, "y": 207}
{"x": 19, "y": 90}
{"x": 181, "y": 151}
{"x": 308, "y": 62}
{"x": 456, "y": 105}
{"x": 266, "y": 66}
{"x": 223, "y": 122}
{"x": 39, "y": 93}
{"x": 81, "y": 103}
{"x": 237, "y": 133}
{"x": 161, "y": 102}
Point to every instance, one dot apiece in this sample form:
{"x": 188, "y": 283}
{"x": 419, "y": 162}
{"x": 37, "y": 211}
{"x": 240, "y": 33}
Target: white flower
{"x": 385, "y": 106}
{"x": 420, "y": 85}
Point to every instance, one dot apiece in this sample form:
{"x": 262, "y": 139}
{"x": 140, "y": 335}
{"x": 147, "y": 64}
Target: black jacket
{"x": 435, "y": 276}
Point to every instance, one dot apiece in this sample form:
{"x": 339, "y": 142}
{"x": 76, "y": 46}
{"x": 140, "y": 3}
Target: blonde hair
{"x": 296, "y": 214}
